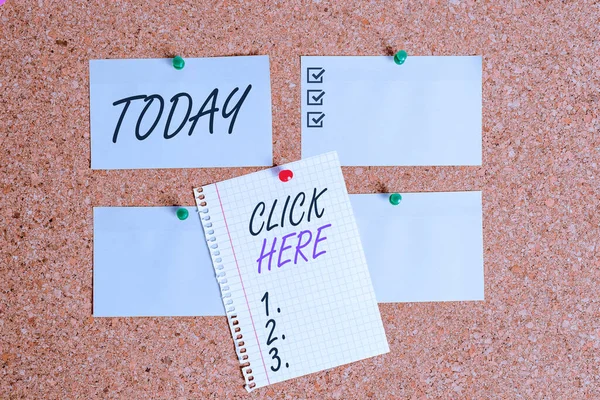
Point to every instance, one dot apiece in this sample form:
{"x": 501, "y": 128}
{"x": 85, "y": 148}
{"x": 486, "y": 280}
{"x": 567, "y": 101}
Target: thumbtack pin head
{"x": 182, "y": 213}
{"x": 400, "y": 57}
{"x": 395, "y": 198}
{"x": 285, "y": 175}
{"x": 178, "y": 63}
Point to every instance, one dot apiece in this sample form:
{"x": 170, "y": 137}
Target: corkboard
{"x": 536, "y": 335}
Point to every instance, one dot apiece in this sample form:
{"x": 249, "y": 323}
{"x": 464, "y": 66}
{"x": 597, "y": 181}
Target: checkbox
{"x": 314, "y": 97}
{"x": 315, "y": 74}
{"x": 314, "y": 119}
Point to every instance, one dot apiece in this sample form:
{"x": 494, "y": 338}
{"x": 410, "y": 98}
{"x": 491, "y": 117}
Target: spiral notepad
{"x": 291, "y": 269}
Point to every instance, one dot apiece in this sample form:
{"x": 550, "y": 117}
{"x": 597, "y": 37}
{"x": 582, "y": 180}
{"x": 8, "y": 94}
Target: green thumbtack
{"x": 179, "y": 63}
{"x": 395, "y": 198}
{"x": 182, "y": 213}
{"x": 400, "y": 57}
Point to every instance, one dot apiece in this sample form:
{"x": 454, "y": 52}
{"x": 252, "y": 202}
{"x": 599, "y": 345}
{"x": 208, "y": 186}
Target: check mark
{"x": 319, "y": 119}
{"x": 318, "y": 75}
{"x": 315, "y": 74}
{"x": 314, "y": 119}
{"x": 314, "y": 97}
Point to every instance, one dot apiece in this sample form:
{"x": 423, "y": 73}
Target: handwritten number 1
{"x": 265, "y": 299}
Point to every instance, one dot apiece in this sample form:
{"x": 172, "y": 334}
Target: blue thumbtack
{"x": 400, "y": 57}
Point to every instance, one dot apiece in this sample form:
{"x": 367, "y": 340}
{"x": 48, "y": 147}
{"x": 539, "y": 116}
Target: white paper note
{"x": 146, "y": 114}
{"x": 374, "y": 112}
{"x": 428, "y": 248}
{"x": 291, "y": 269}
{"x": 149, "y": 263}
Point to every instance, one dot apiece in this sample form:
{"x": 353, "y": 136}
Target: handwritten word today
{"x": 209, "y": 107}
{"x": 304, "y": 243}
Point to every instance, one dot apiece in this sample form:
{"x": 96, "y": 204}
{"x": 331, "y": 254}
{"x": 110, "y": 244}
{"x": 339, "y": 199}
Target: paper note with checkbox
{"x": 374, "y": 112}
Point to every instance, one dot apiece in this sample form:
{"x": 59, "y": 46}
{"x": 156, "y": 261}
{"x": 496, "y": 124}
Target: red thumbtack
{"x": 285, "y": 175}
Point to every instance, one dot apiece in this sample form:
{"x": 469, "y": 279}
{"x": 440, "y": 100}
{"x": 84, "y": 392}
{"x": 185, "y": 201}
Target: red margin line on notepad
{"x": 240, "y": 274}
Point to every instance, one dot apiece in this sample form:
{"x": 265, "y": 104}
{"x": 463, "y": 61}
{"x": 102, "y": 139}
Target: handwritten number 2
{"x": 275, "y": 357}
{"x": 269, "y": 339}
{"x": 265, "y": 299}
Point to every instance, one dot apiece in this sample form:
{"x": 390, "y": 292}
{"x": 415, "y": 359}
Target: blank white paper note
{"x": 291, "y": 269}
{"x": 148, "y": 263}
{"x": 215, "y": 112}
{"x": 374, "y": 112}
{"x": 427, "y": 248}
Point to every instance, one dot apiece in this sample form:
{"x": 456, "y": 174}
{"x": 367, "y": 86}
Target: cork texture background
{"x": 537, "y": 335}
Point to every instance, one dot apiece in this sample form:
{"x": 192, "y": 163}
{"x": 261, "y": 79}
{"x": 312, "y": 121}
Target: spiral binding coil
{"x": 215, "y": 254}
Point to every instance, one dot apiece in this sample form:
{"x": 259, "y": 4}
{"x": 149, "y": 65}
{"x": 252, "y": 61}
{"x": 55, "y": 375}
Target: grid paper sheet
{"x": 315, "y": 307}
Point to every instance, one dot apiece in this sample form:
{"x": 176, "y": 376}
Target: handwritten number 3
{"x": 275, "y": 357}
